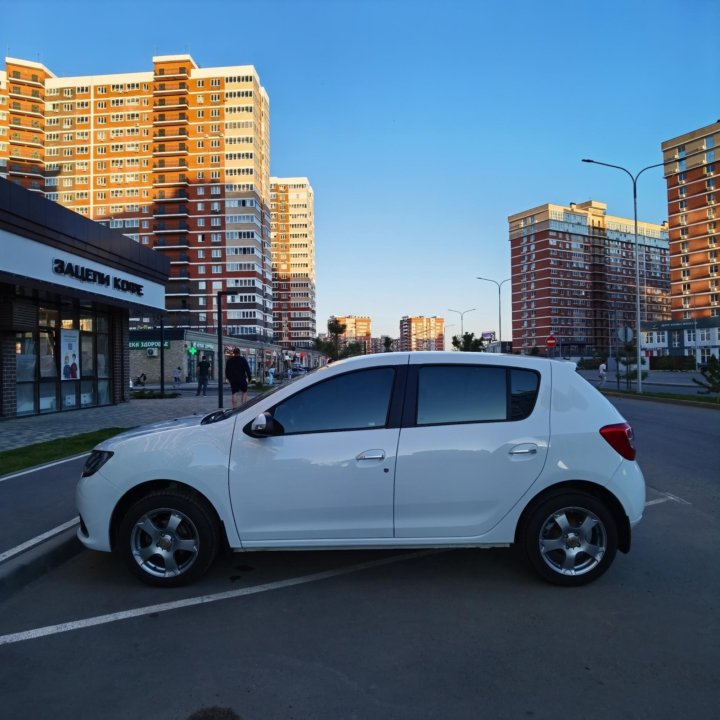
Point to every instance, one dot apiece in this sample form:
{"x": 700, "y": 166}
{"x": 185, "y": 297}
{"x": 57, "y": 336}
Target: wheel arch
{"x": 139, "y": 491}
{"x": 597, "y": 491}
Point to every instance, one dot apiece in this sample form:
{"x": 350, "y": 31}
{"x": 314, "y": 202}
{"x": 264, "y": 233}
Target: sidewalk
{"x": 19, "y": 432}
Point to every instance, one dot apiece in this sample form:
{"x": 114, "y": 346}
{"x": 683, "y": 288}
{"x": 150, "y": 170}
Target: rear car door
{"x": 474, "y": 439}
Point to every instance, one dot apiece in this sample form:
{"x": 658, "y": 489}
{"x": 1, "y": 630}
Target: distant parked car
{"x": 393, "y": 450}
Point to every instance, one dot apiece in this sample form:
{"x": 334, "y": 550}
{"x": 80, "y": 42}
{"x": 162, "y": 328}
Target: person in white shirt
{"x": 602, "y": 374}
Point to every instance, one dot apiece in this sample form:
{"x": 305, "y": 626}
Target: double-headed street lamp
{"x": 499, "y": 286}
{"x": 445, "y": 327}
{"x": 634, "y": 179}
{"x": 461, "y": 313}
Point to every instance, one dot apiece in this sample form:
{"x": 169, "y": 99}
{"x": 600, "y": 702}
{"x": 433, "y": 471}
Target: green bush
{"x": 152, "y": 395}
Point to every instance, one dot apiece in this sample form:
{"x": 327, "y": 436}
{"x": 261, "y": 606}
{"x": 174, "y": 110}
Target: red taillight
{"x": 621, "y": 439}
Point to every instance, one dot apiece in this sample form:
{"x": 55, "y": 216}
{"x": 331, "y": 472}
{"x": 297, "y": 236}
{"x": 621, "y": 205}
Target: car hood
{"x": 156, "y": 427}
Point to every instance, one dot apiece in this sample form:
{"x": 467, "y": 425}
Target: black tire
{"x": 169, "y": 538}
{"x": 570, "y": 539}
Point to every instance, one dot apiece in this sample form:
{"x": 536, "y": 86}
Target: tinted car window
{"x": 523, "y": 393}
{"x": 354, "y": 401}
{"x": 451, "y": 393}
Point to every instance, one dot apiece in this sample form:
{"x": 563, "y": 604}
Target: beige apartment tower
{"x": 176, "y": 157}
{"x": 421, "y": 333}
{"x": 292, "y": 215}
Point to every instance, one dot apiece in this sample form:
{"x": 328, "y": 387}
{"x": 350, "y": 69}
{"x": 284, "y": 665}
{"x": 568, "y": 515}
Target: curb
{"x": 24, "y": 569}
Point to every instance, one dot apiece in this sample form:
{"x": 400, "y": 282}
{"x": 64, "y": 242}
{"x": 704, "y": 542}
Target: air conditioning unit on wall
{"x": 153, "y": 352}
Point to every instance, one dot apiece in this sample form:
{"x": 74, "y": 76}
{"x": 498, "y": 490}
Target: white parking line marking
{"x": 666, "y": 496}
{"x": 38, "y": 539}
{"x": 677, "y": 499}
{"x": 41, "y": 467}
{"x": 203, "y": 599}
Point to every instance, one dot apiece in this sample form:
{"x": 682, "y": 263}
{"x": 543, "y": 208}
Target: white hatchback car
{"x": 394, "y": 450}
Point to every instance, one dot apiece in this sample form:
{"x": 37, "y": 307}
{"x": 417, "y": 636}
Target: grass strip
{"x": 45, "y": 452}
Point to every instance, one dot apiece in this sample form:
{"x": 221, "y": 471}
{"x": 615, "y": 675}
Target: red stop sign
{"x": 551, "y": 341}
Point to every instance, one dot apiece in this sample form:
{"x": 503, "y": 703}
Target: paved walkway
{"x": 19, "y": 432}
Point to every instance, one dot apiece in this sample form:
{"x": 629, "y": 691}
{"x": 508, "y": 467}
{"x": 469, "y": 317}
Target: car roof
{"x": 541, "y": 364}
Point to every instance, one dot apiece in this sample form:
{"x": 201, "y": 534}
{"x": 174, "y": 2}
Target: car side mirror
{"x": 264, "y": 425}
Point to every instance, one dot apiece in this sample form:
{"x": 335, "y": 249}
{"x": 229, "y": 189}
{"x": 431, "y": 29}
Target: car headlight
{"x": 96, "y": 460}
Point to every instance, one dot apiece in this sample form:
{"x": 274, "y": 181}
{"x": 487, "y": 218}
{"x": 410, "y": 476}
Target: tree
{"x": 352, "y": 348}
{"x": 335, "y": 330}
{"x": 387, "y": 342}
{"x": 468, "y": 343}
{"x": 711, "y": 375}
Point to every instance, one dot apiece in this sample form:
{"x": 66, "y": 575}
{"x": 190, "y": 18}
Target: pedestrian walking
{"x": 203, "y": 375}
{"x": 237, "y": 373}
{"x": 602, "y": 374}
{"x": 176, "y": 377}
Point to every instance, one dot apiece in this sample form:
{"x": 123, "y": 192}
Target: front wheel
{"x": 169, "y": 538}
{"x": 570, "y": 539}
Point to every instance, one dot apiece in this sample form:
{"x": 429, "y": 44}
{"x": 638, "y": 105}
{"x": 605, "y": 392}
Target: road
{"x": 374, "y": 635}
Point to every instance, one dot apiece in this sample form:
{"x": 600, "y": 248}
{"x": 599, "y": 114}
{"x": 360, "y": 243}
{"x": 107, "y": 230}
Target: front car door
{"x": 474, "y": 439}
{"x": 328, "y": 475}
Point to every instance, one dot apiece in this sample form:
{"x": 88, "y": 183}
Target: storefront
{"x": 67, "y": 289}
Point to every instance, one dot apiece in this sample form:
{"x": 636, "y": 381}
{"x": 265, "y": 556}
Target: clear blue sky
{"x": 423, "y": 125}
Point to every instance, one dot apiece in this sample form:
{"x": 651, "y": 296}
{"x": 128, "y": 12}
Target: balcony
{"x": 163, "y": 119}
{"x": 16, "y": 169}
{"x": 171, "y": 104}
{"x": 171, "y": 166}
{"x": 162, "y": 88}
{"x": 162, "y": 228}
{"x": 179, "y": 149}
{"x": 33, "y": 110}
{"x": 164, "y": 182}
{"x": 161, "y": 197}
{"x": 171, "y": 74}
{"x": 34, "y": 96}
{"x": 25, "y": 141}
{"x": 173, "y": 212}
{"x": 170, "y": 134}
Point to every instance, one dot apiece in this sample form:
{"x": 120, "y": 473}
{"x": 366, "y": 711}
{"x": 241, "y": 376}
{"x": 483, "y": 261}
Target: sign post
{"x": 550, "y": 342}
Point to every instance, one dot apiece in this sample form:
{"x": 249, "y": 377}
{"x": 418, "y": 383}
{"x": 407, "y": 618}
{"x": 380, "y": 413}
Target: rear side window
{"x": 460, "y": 394}
{"x": 355, "y": 401}
{"x": 524, "y": 385}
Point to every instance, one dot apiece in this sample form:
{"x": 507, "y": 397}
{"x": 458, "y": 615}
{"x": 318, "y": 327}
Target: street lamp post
{"x": 499, "y": 286}
{"x": 445, "y": 327}
{"x": 461, "y": 313}
{"x": 634, "y": 179}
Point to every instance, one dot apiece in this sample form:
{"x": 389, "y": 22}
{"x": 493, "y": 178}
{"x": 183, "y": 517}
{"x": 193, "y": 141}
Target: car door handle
{"x": 524, "y": 450}
{"x": 371, "y": 455}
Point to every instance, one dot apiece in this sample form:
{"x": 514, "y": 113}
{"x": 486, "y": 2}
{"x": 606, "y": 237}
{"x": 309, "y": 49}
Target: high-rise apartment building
{"x": 177, "y": 158}
{"x": 573, "y": 276}
{"x": 691, "y": 172}
{"x": 421, "y": 333}
{"x": 292, "y": 215}
{"x": 358, "y": 329}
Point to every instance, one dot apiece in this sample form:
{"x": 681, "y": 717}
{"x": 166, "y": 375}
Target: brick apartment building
{"x": 691, "y": 173}
{"x": 573, "y": 276}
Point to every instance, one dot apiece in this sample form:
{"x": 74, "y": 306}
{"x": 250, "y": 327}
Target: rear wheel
{"x": 169, "y": 538}
{"x": 570, "y": 539}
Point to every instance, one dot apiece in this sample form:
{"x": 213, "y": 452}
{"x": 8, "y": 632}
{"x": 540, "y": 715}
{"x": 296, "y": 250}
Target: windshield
{"x": 218, "y": 415}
